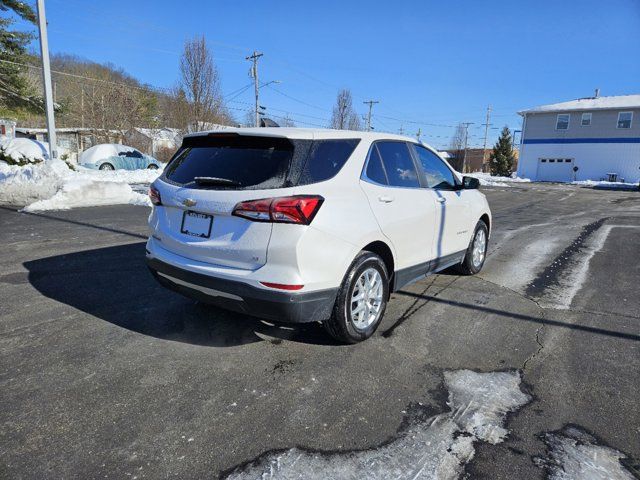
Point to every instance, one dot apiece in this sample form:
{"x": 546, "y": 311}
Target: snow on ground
{"x": 436, "y": 448}
{"x": 127, "y": 176}
{"x": 488, "y": 180}
{"x": 604, "y": 184}
{"x": 23, "y": 185}
{"x": 575, "y": 455}
{"x": 80, "y": 191}
{"x": 54, "y": 186}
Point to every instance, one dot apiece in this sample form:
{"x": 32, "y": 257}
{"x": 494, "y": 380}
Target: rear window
{"x": 251, "y": 162}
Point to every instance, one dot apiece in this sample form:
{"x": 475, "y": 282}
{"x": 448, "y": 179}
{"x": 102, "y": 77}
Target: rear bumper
{"x": 241, "y": 297}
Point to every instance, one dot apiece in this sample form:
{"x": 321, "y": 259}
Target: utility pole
{"x": 418, "y": 134}
{"x": 401, "y": 130}
{"x": 486, "y": 133}
{"x": 46, "y": 80}
{"x": 254, "y": 74}
{"x": 371, "y": 103}
{"x": 466, "y": 137}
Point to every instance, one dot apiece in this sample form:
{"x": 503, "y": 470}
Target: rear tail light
{"x": 298, "y": 209}
{"x": 154, "y": 195}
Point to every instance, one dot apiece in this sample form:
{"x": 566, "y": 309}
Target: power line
{"x": 145, "y": 88}
{"x": 296, "y": 99}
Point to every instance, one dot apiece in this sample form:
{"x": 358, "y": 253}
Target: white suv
{"x": 305, "y": 225}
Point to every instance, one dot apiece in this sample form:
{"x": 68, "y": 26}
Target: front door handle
{"x": 441, "y": 199}
{"x": 385, "y": 199}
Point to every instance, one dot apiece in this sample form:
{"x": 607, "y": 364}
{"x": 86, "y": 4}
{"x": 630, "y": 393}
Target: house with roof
{"x": 594, "y": 138}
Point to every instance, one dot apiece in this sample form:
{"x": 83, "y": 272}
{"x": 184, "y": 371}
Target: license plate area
{"x": 196, "y": 224}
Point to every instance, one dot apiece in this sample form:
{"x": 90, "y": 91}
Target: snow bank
{"x": 436, "y": 448}
{"x": 79, "y": 191}
{"x": 127, "y": 176}
{"x": 52, "y": 185}
{"x": 26, "y": 184}
{"x": 24, "y": 149}
{"x": 604, "y": 184}
{"x": 575, "y": 455}
{"x": 489, "y": 180}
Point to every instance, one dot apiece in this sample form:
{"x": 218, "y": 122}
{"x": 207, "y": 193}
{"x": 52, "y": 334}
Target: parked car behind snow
{"x": 113, "y": 156}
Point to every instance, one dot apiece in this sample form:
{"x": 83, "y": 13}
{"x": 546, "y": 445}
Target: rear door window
{"x": 398, "y": 164}
{"x": 252, "y": 162}
{"x": 375, "y": 170}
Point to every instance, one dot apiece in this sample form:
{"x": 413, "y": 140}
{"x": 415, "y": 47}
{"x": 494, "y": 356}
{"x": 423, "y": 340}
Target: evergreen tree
{"x": 14, "y": 87}
{"x": 502, "y": 157}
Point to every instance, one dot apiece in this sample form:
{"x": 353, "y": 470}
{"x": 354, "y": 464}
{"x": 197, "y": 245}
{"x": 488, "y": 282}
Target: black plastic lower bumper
{"x": 273, "y": 305}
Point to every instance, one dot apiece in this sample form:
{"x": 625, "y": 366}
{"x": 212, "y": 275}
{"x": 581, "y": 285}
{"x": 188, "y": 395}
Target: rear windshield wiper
{"x": 216, "y": 181}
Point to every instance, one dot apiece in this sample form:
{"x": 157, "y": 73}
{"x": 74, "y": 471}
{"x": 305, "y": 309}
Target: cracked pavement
{"x": 106, "y": 373}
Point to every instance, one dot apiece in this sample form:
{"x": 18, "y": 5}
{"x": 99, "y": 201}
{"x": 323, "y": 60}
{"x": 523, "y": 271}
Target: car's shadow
{"x": 114, "y": 284}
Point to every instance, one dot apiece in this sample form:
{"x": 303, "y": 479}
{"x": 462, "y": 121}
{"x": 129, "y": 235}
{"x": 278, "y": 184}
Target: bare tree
{"x": 457, "y": 147}
{"x": 200, "y": 83}
{"x": 343, "y": 116}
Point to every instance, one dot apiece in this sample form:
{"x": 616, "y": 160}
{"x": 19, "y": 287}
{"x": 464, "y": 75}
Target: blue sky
{"x": 430, "y": 64}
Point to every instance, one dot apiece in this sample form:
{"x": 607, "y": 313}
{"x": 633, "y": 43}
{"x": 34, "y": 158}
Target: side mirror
{"x": 470, "y": 183}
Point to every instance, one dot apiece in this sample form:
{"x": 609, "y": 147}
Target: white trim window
{"x": 625, "y": 119}
{"x": 562, "y": 121}
{"x": 585, "y": 120}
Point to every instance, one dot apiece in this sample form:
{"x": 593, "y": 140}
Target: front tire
{"x": 361, "y": 300}
{"x": 477, "y": 250}
{"x": 152, "y": 166}
{"x": 106, "y": 166}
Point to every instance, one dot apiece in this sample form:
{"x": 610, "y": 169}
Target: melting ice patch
{"x": 438, "y": 447}
{"x": 576, "y": 455}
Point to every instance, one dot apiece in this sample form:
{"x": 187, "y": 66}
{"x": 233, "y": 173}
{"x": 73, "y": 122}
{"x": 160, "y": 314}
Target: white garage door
{"x": 555, "y": 170}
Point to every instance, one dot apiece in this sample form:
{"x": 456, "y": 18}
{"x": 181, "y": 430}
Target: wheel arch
{"x": 487, "y": 220}
{"x": 383, "y": 250}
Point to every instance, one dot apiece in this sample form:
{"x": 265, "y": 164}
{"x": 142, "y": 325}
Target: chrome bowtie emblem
{"x": 188, "y": 202}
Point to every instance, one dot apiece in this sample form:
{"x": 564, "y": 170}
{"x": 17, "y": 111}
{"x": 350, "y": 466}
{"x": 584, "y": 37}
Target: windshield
{"x": 252, "y": 162}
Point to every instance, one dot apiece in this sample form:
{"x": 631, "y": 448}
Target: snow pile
{"x": 52, "y": 185}
{"x": 24, "y": 149}
{"x": 436, "y": 448}
{"x": 127, "y": 176}
{"x": 79, "y": 191}
{"x": 605, "y": 184}
{"x": 575, "y": 455}
{"x": 489, "y": 180}
{"x": 26, "y": 184}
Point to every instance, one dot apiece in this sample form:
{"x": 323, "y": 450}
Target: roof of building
{"x": 590, "y": 103}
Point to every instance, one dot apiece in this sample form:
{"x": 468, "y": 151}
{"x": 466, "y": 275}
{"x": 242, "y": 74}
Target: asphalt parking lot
{"x": 107, "y": 375}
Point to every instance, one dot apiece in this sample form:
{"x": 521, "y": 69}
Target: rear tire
{"x": 361, "y": 300}
{"x": 106, "y": 166}
{"x": 152, "y": 167}
{"x": 476, "y": 252}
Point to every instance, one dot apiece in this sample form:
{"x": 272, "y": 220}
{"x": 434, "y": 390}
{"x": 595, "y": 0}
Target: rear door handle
{"x": 385, "y": 199}
{"x": 441, "y": 199}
